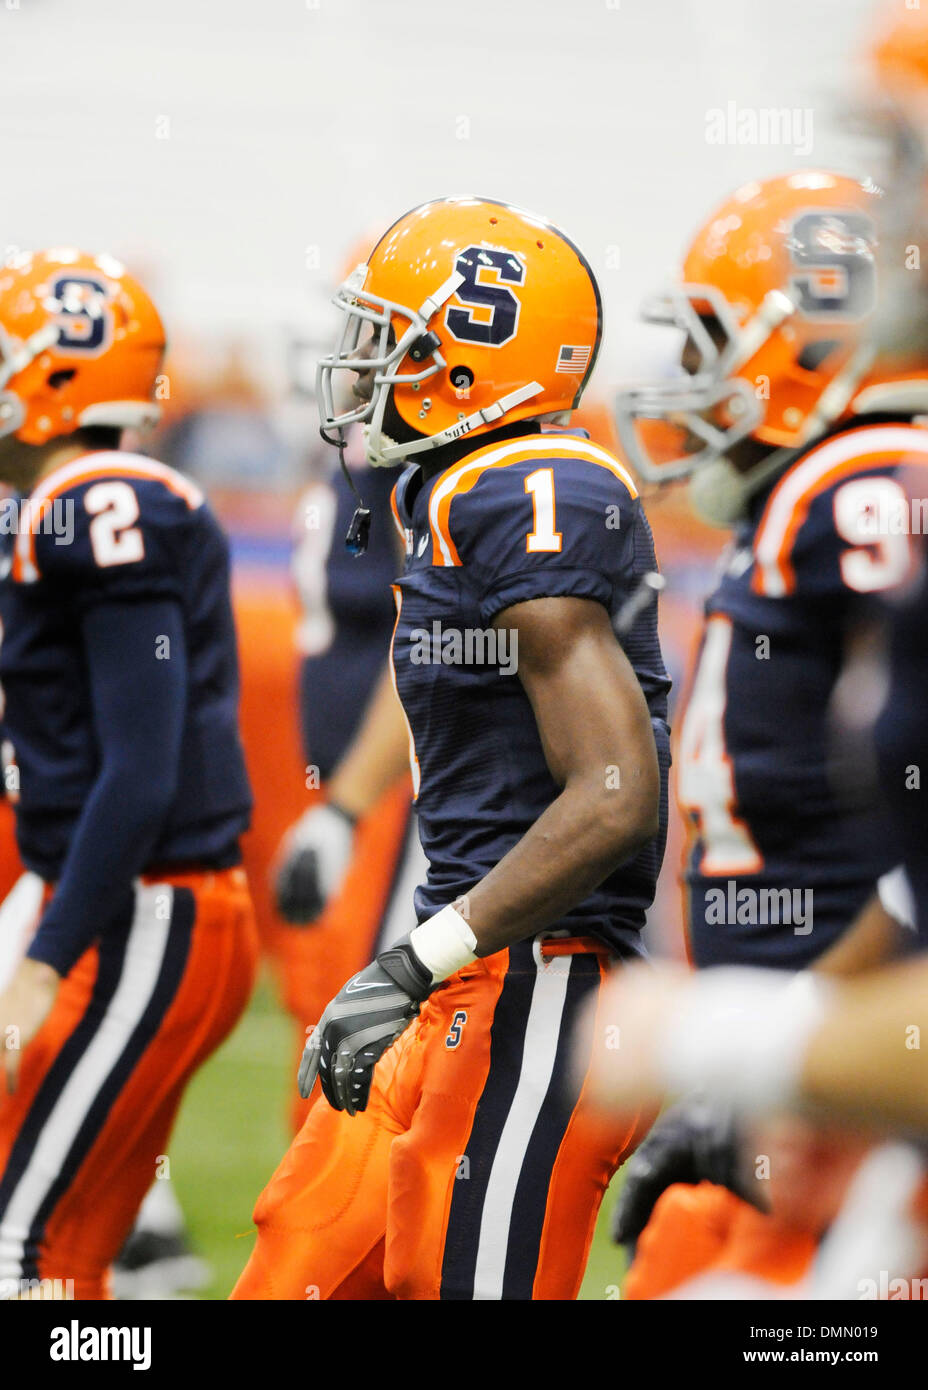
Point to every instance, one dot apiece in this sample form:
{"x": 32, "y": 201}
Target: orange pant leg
{"x": 322, "y": 1217}
{"x": 761, "y": 1245}
{"x": 496, "y": 1185}
{"x": 10, "y": 863}
{"x": 86, "y": 1131}
{"x": 265, "y": 619}
{"x": 475, "y": 1159}
{"x": 707, "y": 1229}
{"x": 689, "y": 1226}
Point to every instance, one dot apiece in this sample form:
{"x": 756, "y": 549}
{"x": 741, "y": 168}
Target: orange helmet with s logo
{"x": 480, "y": 313}
{"x": 80, "y": 344}
{"x": 775, "y": 291}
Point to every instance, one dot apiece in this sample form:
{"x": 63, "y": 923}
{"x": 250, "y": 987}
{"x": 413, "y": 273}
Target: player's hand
{"x": 694, "y": 1141}
{"x": 312, "y": 861}
{"x": 629, "y": 1020}
{"x": 357, "y": 1027}
{"x": 24, "y": 1006}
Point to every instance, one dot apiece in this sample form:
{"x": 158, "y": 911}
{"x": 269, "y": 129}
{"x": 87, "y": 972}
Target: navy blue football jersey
{"x": 783, "y": 860}
{"x": 117, "y": 528}
{"x": 900, "y": 732}
{"x": 537, "y": 516}
{"x": 347, "y": 601}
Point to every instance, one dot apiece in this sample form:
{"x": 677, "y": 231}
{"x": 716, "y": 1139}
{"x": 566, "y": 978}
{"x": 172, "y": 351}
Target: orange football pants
{"x": 85, "y": 1133}
{"x": 705, "y": 1229}
{"x": 476, "y": 1171}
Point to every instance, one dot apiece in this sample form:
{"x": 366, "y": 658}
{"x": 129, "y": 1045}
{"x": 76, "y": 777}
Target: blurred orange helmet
{"x": 900, "y": 53}
{"x": 481, "y": 313}
{"x": 80, "y": 344}
{"x": 776, "y": 290}
{"x": 895, "y": 108}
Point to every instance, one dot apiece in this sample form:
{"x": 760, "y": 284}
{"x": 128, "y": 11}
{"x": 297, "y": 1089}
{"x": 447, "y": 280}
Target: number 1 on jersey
{"x": 540, "y": 485}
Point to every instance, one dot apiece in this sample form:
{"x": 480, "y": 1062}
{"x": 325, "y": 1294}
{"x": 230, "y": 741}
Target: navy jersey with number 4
{"x": 120, "y": 682}
{"x": 783, "y": 860}
{"x": 537, "y": 516}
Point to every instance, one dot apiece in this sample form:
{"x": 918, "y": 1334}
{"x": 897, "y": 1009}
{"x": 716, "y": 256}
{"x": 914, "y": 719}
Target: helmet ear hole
{"x": 59, "y": 379}
{"x": 462, "y": 378}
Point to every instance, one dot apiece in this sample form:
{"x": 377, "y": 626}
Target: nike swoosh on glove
{"x": 357, "y": 1027}
{"x": 312, "y": 862}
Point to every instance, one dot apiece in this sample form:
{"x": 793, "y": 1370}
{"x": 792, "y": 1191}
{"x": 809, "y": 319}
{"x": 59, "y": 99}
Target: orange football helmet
{"x": 900, "y": 55}
{"x": 480, "y": 313}
{"x": 775, "y": 291}
{"x": 80, "y": 344}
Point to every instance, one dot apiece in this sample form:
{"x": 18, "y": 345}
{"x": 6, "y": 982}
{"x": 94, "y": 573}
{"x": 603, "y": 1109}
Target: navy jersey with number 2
{"x": 120, "y": 683}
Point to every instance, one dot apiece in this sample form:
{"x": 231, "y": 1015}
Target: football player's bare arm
{"x": 765, "y": 1042}
{"x": 316, "y": 852}
{"x": 593, "y": 723}
{"x": 596, "y": 732}
{"x": 865, "y": 1061}
{"x": 695, "y": 1140}
{"x": 873, "y": 938}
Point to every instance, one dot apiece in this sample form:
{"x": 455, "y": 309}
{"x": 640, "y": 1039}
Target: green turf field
{"x": 232, "y": 1132}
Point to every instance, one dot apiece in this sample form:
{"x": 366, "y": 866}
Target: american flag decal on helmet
{"x": 573, "y": 360}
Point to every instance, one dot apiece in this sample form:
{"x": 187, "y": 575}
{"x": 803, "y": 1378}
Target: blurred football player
{"x": 449, "y": 1157}
{"x": 349, "y": 864}
{"x": 346, "y": 870}
{"x": 119, "y": 676}
{"x": 787, "y": 1049}
{"x": 898, "y": 645}
{"x": 790, "y": 435}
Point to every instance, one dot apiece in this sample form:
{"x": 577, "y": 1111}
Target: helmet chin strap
{"x": 377, "y": 459}
{"x": 396, "y": 453}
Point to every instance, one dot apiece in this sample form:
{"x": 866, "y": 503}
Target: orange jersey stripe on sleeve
{"x": 82, "y": 470}
{"x": 789, "y": 503}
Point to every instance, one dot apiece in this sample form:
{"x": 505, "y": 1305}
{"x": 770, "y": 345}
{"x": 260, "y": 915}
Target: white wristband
{"x": 896, "y": 898}
{"x": 444, "y": 944}
{"x": 741, "y": 1035}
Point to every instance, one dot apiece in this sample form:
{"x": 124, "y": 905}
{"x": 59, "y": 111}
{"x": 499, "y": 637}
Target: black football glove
{"x": 692, "y": 1142}
{"x": 360, "y": 1023}
{"x": 311, "y": 863}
